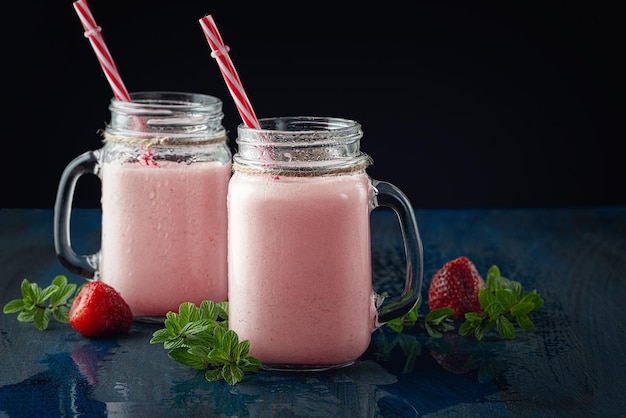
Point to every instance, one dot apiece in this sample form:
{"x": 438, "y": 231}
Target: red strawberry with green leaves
{"x": 456, "y": 285}
{"x": 99, "y": 310}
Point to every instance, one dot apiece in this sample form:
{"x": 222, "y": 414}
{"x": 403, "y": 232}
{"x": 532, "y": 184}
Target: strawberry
{"x": 456, "y": 286}
{"x": 99, "y": 310}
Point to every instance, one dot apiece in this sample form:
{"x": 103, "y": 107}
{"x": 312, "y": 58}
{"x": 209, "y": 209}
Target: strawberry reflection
{"x": 63, "y": 389}
{"x": 87, "y": 357}
{"x": 449, "y": 353}
{"x": 452, "y": 353}
{"x": 462, "y": 355}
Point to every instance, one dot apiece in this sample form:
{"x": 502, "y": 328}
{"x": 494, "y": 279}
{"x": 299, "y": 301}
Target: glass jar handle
{"x": 393, "y": 307}
{"x": 83, "y": 265}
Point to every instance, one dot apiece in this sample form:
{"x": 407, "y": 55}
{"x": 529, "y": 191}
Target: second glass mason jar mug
{"x": 300, "y": 269}
{"x": 164, "y": 171}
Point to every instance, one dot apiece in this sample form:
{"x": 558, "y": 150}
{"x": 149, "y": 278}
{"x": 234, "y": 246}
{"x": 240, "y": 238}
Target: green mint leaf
{"x": 467, "y": 328}
{"x": 396, "y": 324}
{"x": 208, "y": 310}
{"x": 34, "y": 306}
{"x": 435, "y": 322}
{"x": 196, "y": 327}
{"x": 219, "y": 357}
{"x": 13, "y": 306}
{"x": 213, "y": 311}
{"x": 524, "y": 322}
{"x": 473, "y": 317}
{"x": 522, "y": 308}
{"x": 61, "y": 314}
{"x": 505, "y": 327}
{"x": 200, "y": 351}
{"x": 59, "y": 281}
{"x": 533, "y": 298}
{"x": 42, "y": 318}
{"x": 232, "y": 374}
{"x": 411, "y": 316}
{"x": 190, "y": 334}
{"x": 27, "y": 315}
{"x": 44, "y": 294}
{"x": 486, "y": 297}
{"x": 35, "y": 293}
{"x": 188, "y": 312}
{"x": 493, "y": 274}
{"x": 517, "y": 289}
{"x": 241, "y": 351}
{"x": 172, "y": 323}
{"x": 64, "y": 292}
{"x": 222, "y": 308}
{"x": 213, "y": 375}
{"x": 505, "y": 305}
{"x": 160, "y": 336}
{"x": 506, "y": 298}
{"x": 205, "y": 338}
{"x": 439, "y": 315}
{"x": 218, "y": 334}
{"x": 183, "y": 356}
{"x": 250, "y": 364}
{"x": 28, "y": 292}
{"x": 230, "y": 341}
{"x": 407, "y": 320}
{"x": 198, "y": 336}
{"x": 480, "y": 330}
{"x": 494, "y": 309}
{"x": 493, "y": 279}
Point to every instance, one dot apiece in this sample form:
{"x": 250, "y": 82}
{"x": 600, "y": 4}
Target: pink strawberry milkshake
{"x": 164, "y": 231}
{"x": 300, "y": 279}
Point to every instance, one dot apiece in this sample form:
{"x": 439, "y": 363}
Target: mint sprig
{"x": 199, "y": 337}
{"x": 505, "y": 304}
{"x": 434, "y": 322}
{"x": 40, "y": 305}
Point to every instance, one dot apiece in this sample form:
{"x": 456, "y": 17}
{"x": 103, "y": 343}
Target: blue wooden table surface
{"x": 572, "y": 365}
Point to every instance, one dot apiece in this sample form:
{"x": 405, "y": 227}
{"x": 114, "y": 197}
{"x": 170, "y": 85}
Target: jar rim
{"x": 300, "y": 129}
{"x": 302, "y": 124}
{"x": 179, "y": 100}
{"x": 167, "y": 115}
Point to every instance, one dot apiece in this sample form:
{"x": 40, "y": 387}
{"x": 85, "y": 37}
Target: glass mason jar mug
{"x": 300, "y": 269}
{"x": 164, "y": 170}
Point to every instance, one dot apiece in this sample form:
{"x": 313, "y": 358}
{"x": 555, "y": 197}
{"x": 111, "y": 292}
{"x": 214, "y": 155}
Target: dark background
{"x": 463, "y": 104}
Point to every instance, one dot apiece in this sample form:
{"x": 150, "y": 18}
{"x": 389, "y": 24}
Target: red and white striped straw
{"x": 220, "y": 53}
{"x": 93, "y": 33}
